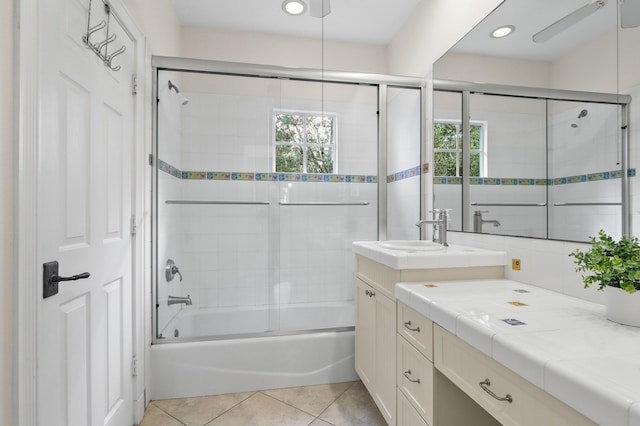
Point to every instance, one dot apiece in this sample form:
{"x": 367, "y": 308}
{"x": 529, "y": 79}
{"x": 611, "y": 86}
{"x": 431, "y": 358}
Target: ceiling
{"x": 360, "y": 21}
{"x": 530, "y": 17}
{"x": 378, "y": 21}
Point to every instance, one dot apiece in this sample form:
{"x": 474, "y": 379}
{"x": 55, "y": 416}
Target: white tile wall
{"x": 238, "y": 255}
{"x": 403, "y": 152}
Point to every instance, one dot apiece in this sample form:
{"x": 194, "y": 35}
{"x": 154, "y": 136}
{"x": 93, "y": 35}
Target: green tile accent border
{"x": 263, "y": 177}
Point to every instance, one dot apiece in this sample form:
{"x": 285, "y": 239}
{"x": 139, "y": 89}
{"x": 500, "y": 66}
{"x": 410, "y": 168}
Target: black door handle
{"x": 50, "y": 279}
{"x": 57, "y": 278}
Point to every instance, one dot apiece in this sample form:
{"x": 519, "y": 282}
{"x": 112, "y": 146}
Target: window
{"x": 447, "y": 152}
{"x": 305, "y": 142}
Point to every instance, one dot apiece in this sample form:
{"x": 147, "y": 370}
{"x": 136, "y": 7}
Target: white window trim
{"x": 484, "y": 167}
{"x": 334, "y": 117}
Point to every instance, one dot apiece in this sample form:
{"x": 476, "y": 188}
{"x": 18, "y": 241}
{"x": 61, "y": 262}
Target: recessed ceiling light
{"x": 503, "y": 31}
{"x": 294, "y": 7}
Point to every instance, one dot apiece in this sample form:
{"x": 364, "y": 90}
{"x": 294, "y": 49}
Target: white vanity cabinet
{"x": 414, "y": 377}
{"x": 502, "y": 393}
{"x": 376, "y": 349}
{"x": 375, "y": 357}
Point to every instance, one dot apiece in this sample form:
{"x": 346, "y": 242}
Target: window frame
{"x": 305, "y": 144}
{"x": 483, "y": 172}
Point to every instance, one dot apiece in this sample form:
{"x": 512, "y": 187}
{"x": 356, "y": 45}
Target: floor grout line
{"x": 231, "y": 408}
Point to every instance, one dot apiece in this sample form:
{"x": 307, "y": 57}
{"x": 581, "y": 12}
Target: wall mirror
{"x": 530, "y": 129}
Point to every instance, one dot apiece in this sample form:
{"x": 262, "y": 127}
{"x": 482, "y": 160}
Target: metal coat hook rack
{"x": 102, "y": 48}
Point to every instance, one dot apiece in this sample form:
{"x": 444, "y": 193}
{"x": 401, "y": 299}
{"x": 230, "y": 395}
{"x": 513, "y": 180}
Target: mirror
{"x": 545, "y": 149}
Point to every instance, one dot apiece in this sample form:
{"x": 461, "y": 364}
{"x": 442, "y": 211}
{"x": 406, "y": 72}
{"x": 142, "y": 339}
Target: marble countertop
{"x": 562, "y": 344}
{"x": 453, "y": 256}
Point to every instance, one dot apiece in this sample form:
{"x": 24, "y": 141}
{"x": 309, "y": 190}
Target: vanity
{"x": 468, "y": 348}
{"x": 379, "y": 266}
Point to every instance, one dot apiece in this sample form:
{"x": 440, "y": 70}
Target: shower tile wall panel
{"x": 169, "y": 221}
{"x": 263, "y": 255}
{"x": 403, "y": 152}
{"x": 590, "y": 147}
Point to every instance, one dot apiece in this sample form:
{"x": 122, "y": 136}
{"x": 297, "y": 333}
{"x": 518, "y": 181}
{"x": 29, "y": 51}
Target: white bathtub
{"x": 211, "y": 367}
{"x": 208, "y": 322}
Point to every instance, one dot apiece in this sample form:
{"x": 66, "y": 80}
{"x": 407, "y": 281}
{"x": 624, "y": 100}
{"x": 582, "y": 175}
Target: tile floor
{"x": 337, "y": 404}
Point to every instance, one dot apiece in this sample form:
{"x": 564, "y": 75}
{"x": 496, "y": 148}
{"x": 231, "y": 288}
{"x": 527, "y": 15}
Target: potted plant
{"x": 615, "y": 267}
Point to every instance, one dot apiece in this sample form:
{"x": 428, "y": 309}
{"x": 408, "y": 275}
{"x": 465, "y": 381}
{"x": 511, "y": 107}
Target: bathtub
{"x": 185, "y": 368}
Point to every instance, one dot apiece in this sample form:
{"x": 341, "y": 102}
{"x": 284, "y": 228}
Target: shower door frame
{"x": 468, "y": 88}
{"x": 382, "y": 81}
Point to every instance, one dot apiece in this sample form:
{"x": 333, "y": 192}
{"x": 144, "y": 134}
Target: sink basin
{"x": 411, "y": 245}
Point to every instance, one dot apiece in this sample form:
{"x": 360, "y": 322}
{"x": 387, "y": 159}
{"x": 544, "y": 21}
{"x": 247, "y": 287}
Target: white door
{"x": 84, "y": 208}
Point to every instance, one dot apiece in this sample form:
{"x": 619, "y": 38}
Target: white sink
{"x": 411, "y": 245}
{"x": 421, "y": 254}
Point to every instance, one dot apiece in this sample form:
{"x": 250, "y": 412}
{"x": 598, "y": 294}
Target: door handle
{"x": 58, "y": 278}
{"x": 50, "y": 279}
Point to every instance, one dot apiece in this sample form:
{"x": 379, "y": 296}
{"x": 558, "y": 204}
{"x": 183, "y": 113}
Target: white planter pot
{"x": 623, "y": 307}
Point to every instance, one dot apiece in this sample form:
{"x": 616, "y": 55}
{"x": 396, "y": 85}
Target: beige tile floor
{"x": 337, "y": 404}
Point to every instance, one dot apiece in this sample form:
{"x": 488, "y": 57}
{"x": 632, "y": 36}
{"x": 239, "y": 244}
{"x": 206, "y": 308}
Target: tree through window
{"x": 305, "y": 142}
{"x": 447, "y": 149}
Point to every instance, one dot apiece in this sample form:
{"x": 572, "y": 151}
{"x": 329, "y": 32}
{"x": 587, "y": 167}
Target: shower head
{"x": 174, "y": 87}
{"x": 582, "y": 114}
{"x": 183, "y": 100}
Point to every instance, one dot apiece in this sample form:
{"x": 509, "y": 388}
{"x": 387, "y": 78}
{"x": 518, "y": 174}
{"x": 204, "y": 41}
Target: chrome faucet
{"x": 440, "y": 224}
{"x": 478, "y": 221}
{"x": 173, "y": 300}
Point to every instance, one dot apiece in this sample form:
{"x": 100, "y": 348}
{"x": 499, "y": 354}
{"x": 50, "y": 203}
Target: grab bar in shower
{"x": 240, "y": 203}
{"x": 510, "y": 204}
{"x": 585, "y": 204}
{"x": 324, "y": 203}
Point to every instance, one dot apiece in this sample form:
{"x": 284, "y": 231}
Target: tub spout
{"x": 173, "y": 300}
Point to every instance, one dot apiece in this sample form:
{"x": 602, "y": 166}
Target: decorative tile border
{"x": 408, "y": 173}
{"x": 263, "y": 177}
{"x": 591, "y": 177}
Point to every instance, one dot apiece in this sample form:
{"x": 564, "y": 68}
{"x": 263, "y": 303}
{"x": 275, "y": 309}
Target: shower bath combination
{"x": 582, "y": 114}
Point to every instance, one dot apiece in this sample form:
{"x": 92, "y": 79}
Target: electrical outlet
{"x": 515, "y": 264}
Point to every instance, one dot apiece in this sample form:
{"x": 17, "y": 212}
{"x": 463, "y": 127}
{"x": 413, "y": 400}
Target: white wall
{"x": 267, "y": 49}
{"x": 432, "y": 29}
{"x": 6, "y": 209}
{"x": 159, "y": 23}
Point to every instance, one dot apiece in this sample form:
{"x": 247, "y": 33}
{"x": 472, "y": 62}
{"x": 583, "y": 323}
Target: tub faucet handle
{"x": 171, "y": 270}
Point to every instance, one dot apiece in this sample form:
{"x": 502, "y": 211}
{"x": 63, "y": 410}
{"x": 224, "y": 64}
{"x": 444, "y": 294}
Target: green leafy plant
{"x": 611, "y": 263}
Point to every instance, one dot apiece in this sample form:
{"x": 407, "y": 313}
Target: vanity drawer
{"x": 416, "y": 328}
{"x": 467, "y": 367}
{"x": 415, "y": 379}
{"x": 407, "y": 415}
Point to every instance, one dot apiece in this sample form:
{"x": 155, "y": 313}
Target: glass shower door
{"x": 213, "y": 209}
{"x": 327, "y": 198}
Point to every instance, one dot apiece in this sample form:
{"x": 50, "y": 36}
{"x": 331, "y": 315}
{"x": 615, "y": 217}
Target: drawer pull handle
{"x": 408, "y": 373}
{"x": 369, "y": 293}
{"x": 407, "y": 325}
{"x": 484, "y": 385}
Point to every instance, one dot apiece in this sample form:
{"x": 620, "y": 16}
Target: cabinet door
{"x": 365, "y": 356}
{"x": 385, "y": 331}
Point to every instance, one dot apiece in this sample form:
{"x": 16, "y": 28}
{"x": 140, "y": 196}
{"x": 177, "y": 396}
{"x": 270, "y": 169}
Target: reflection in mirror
{"x": 584, "y": 159}
{"x": 447, "y": 156}
{"x": 559, "y": 169}
{"x": 509, "y": 191}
